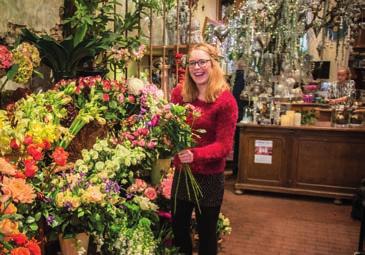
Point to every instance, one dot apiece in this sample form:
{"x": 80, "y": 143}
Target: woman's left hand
{"x": 186, "y": 156}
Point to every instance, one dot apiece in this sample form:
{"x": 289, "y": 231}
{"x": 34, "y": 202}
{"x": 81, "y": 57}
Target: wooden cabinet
{"x": 328, "y": 162}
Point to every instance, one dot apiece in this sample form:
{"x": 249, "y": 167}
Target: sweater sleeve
{"x": 225, "y": 128}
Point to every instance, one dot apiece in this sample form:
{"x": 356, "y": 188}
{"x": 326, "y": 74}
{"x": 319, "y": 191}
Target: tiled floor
{"x": 275, "y": 224}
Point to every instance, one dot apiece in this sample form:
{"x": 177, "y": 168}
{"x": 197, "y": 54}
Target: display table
{"x": 318, "y": 161}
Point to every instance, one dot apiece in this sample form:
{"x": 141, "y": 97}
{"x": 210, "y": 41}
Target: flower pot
{"x": 158, "y": 168}
{"x": 72, "y": 246}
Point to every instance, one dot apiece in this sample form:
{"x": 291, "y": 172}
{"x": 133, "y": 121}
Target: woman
{"x": 206, "y": 89}
{"x": 342, "y": 91}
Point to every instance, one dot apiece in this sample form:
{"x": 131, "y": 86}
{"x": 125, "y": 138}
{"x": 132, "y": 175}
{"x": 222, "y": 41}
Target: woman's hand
{"x": 186, "y": 156}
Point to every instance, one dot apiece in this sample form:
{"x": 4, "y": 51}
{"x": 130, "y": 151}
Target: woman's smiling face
{"x": 200, "y": 65}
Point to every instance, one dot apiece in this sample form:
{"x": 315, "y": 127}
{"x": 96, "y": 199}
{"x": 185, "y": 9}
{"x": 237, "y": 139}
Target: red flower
{"x": 20, "y": 175}
{"x": 33, "y": 247}
{"x": 46, "y": 145}
{"x": 35, "y": 151}
{"x": 106, "y": 97}
{"x": 19, "y": 239}
{"x": 60, "y": 156}
{"x": 14, "y": 144}
{"x": 28, "y": 140}
{"x": 20, "y": 251}
{"x": 30, "y": 167}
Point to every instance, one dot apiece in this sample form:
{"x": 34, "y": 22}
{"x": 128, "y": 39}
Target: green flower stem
{"x": 177, "y": 189}
{"x": 187, "y": 184}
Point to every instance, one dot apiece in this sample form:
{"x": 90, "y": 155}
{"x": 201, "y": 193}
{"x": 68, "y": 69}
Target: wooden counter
{"x": 318, "y": 161}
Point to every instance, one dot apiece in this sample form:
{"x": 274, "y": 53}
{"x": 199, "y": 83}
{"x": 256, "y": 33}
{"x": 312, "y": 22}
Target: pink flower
{"x": 166, "y": 185}
{"x": 150, "y": 193}
{"x": 164, "y": 214}
{"x": 106, "y": 85}
{"x": 121, "y": 98}
{"x": 140, "y": 184}
{"x": 151, "y": 145}
{"x": 6, "y": 58}
{"x": 106, "y": 97}
{"x": 154, "y": 121}
{"x": 131, "y": 99}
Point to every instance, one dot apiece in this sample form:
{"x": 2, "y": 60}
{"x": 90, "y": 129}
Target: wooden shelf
{"x": 170, "y": 47}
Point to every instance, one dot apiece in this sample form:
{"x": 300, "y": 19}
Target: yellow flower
{"x": 10, "y": 209}
{"x": 93, "y": 195}
{"x": 18, "y": 189}
{"x": 8, "y": 227}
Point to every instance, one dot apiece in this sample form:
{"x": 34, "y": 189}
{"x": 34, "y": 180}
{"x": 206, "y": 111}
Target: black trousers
{"x": 207, "y": 228}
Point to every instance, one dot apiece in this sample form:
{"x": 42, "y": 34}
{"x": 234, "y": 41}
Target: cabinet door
{"x": 267, "y": 167}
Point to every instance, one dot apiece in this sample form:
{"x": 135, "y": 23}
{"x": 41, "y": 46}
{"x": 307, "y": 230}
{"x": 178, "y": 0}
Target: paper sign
{"x": 263, "y": 152}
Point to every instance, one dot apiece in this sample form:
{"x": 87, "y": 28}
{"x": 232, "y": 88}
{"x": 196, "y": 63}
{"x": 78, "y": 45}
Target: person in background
{"x": 206, "y": 89}
{"x": 342, "y": 91}
{"x": 238, "y": 86}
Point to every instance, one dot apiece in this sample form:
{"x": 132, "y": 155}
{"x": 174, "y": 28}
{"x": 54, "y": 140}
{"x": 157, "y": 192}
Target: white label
{"x": 263, "y": 152}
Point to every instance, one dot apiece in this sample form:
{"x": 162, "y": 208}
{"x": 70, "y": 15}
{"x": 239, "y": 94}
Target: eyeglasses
{"x": 201, "y": 63}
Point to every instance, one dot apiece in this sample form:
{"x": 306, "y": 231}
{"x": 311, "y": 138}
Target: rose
{"x": 131, "y": 99}
{"x": 140, "y": 184}
{"x": 19, "y": 239}
{"x": 150, "y": 193}
{"x": 30, "y": 167}
{"x": 14, "y": 144}
{"x": 20, "y": 251}
{"x": 60, "y": 156}
{"x": 8, "y": 227}
{"x": 106, "y": 97}
{"x": 35, "y": 151}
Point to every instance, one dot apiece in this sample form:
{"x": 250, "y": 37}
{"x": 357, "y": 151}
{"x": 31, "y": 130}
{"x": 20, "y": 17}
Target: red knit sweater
{"x": 218, "y": 119}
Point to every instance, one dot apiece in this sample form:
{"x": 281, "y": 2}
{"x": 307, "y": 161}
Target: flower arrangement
{"x": 18, "y": 64}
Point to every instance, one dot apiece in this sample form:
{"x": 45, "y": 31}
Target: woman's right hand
{"x": 186, "y": 156}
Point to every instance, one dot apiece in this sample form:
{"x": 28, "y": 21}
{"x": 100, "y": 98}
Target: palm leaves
{"x": 64, "y": 57}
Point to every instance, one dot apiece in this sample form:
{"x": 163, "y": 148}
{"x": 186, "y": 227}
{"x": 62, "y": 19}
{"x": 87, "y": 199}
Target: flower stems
{"x": 194, "y": 186}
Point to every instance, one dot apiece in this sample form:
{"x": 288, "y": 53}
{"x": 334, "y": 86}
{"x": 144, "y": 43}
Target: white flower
{"x": 135, "y": 86}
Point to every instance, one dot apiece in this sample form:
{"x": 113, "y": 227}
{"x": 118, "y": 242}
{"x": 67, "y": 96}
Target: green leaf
{"x": 38, "y": 216}
{"x": 30, "y": 220}
{"x": 80, "y": 34}
{"x": 34, "y": 227}
{"x": 12, "y": 72}
{"x": 80, "y": 214}
{"x": 39, "y": 74}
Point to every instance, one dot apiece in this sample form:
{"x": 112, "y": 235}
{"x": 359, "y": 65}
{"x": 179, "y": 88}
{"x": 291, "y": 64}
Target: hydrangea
{"x": 6, "y": 58}
{"x": 135, "y": 86}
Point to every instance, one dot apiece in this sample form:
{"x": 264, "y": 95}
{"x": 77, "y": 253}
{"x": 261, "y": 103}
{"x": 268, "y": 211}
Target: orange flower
{"x": 33, "y": 247}
{"x": 8, "y": 227}
{"x": 20, "y": 251}
{"x": 10, "y": 209}
{"x": 6, "y": 168}
{"x": 18, "y": 189}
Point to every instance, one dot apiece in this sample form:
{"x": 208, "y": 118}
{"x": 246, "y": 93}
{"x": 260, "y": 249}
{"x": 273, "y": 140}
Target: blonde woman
{"x": 205, "y": 88}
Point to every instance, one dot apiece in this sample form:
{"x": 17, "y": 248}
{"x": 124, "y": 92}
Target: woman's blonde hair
{"x": 216, "y": 83}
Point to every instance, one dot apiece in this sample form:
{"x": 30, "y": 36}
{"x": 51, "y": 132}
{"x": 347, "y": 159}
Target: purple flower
{"x": 112, "y": 186}
{"x": 50, "y": 220}
{"x": 68, "y": 206}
